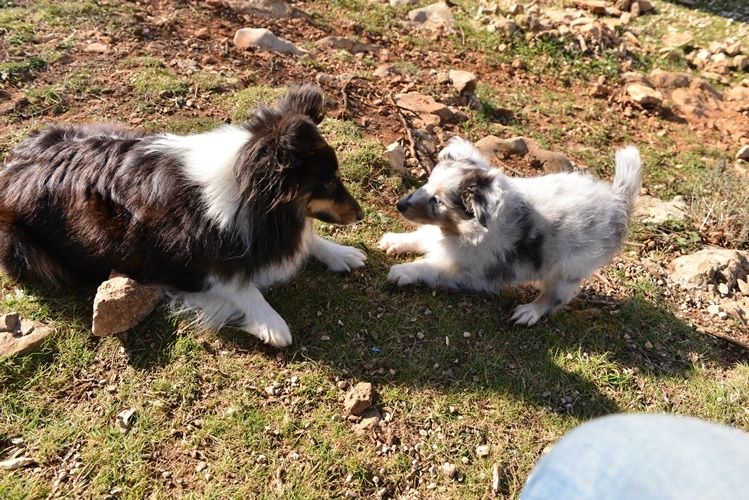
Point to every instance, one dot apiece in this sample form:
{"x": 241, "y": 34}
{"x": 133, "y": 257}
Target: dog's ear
{"x": 460, "y": 149}
{"x": 474, "y": 195}
{"x": 299, "y": 139}
{"x": 304, "y": 100}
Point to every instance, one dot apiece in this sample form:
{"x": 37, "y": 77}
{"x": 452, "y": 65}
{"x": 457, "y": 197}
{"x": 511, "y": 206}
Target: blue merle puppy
{"x": 480, "y": 230}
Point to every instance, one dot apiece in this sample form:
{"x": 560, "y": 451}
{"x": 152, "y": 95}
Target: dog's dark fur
{"x": 77, "y": 202}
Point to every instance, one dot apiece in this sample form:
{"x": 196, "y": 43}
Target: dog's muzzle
{"x": 404, "y": 203}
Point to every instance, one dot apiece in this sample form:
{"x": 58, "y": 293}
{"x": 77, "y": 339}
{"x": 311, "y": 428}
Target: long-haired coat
{"x": 212, "y": 217}
{"x": 481, "y": 229}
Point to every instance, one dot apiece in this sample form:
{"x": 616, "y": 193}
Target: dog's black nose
{"x": 359, "y": 215}
{"x": 403, "y": 203}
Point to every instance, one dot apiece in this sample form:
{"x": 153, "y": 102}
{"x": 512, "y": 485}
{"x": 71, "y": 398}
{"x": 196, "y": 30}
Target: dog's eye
{"x": 434, "y": 200}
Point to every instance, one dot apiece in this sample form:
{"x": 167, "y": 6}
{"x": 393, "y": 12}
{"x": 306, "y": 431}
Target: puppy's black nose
{"x": 403, "y": 203}
{"x": 359, "y": 215}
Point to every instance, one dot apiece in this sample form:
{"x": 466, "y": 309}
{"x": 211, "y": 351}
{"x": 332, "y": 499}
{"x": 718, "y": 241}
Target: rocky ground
{"x": 543, "y": 86}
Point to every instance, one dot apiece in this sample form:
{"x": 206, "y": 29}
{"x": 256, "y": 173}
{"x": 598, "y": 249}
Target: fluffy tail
{"x": 627, "y": 180}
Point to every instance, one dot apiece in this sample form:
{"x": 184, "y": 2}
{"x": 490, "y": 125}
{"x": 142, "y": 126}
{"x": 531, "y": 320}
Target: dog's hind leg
{"x": 554, "y": 295}
{"x": 22, "y": 259}
{"x": 338, "y": 258}
{"x": 419, "y": 241}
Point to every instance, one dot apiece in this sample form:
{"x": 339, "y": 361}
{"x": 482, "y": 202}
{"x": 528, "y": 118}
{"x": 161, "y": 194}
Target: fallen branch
{"x": 409, "y": 135}
{"x": 730, "y": 340}
{"x": 345, "y": 96}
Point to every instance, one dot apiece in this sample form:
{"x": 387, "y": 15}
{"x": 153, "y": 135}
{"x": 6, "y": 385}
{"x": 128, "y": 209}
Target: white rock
{"x": 677, "y": 39}
{"x": 710, "y": 266}
{"x": 657, "y": 211}
{"x": 449, "y": 470}
{"x": 463, "y": 81}
{"x": 396, "y": 156}
{"x": 435, "y": 16}
{"x": 644, "y": 95}
{"x": 713, "y": 309}
{"x": 16, "y": 463}
{"x": 482, "y": 450}
{"x": 264, "y": 39}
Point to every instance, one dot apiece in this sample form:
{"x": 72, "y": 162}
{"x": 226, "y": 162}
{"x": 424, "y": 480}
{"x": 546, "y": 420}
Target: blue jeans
{"x": 644, "y": 457}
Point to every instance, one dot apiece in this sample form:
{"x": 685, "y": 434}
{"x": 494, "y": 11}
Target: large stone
{"x": 743, "y": 153}
{"x": 502, "y": 148}
{"x": 657, "y": 211}
{"x": 396, "y": 156}
{"x": 424, "y": 104}
{"x": 370, "y": 419}
{"x": 463, "y": 81}
{"x": 19, "y": 336}
{"x": 645, "y": 6}
{"x": 121, "y": 303}
{"x": 740, "y": 62}
{"x": 697, "y": 100}
{"x": 669, "y": 80}
{"x": 359, "y": 398}
{"x": 550, "y": 161}
{"x": 677, "y": 39}
{"x": 343, "y": 43}
{"x": 644, "y": 95}
{"x": 264, "y": 39}
{"x": 595, "y": 6}
{"x": 435, "y": 16}
{"x": 710, "y": 266}
{"x": 271, "y": 9}
{"x": 97, "y": 48}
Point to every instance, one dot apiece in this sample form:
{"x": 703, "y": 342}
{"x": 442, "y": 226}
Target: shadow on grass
{"x": 730, "y": 9}
{"x": 363, "y": 328}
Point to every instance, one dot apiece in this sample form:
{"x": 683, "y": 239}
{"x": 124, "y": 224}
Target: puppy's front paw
{"x": 403, "y": 274}
{"x": 393, "y": 244}
{"x": 275, "y": 332}
{"x": 525, "y": 314}
{"x": 345, "y": 258}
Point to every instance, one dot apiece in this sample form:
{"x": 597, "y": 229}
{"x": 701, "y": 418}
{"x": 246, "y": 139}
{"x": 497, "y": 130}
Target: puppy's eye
{"x": 434, "y": 200}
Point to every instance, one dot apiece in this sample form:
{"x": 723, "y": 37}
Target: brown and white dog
{"x": 212, "y": 217}
{"x": 480, "y": 230}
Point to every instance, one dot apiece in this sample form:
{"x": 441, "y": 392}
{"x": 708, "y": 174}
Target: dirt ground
{"x": 206, "y": 422}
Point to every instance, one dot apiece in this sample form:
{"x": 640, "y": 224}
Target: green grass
{"x": 16, "y": 71}
{"x": 243, "y": 103}
{"x": 156, "y": 82}
{"x": 204, "y": 425}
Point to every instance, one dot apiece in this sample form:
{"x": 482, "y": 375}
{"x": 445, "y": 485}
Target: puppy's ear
{"x": 474, "y": 193}
{"x": 460, "y": 149}
{"x": 304, "y": 100}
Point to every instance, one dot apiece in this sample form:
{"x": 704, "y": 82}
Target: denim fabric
{"x": 644, "y": 457}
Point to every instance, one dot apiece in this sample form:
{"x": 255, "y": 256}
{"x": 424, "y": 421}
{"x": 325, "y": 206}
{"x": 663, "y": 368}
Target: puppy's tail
{"x": 628, "y": 177}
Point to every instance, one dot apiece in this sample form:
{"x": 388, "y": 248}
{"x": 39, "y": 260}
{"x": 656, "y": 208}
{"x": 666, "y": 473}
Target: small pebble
{"x": 482, "y": 450}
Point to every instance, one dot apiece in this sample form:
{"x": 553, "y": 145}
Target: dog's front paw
{"x": 393, "y": 244}
{"x": 525, "y": 314}
{"x": 345, "y": 259}
{"x": 403, "y": 274}
{"x": 275, "y": 333}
